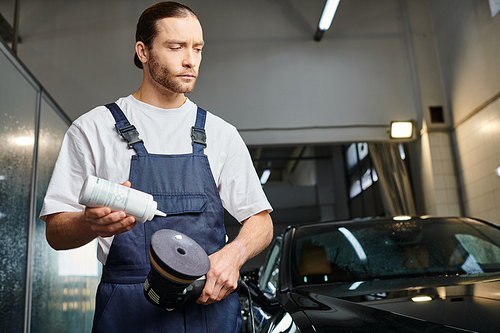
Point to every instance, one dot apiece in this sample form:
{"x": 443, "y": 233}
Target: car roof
{"x": 384, "y": 219}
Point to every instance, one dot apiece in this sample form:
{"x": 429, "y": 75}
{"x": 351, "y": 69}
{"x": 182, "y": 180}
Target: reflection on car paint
{"x": 286, "y": 325}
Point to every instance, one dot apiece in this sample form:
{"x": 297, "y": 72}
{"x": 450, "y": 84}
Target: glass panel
{"x": 395, "y": 249}
{"x": 362, "y": 150}
{"x": 351, "y": 158}
{"x": 375, "y": 176}
{"x": 366, "y": 176}
{"x": 402, "y": 151}
{"x": 354, "y": 185}
{"x": 481, "y": 251}
{"x": 17, "y": 120}
{"x": 63, "y": 294}
{"x": 269, "y": 279}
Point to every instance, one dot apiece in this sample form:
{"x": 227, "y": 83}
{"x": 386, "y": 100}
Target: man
{"x": 191, "y": 179}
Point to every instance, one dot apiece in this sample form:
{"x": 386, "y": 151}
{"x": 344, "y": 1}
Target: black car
{"x": 401, "y": 274}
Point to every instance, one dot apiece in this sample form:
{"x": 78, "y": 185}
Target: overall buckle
{"x": 198, "y": 136}
{"x": 130, "y": 134}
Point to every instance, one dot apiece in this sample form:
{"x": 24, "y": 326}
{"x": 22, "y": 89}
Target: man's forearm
{"x": 67, "y": 230}
{"x": 254, "y": 236}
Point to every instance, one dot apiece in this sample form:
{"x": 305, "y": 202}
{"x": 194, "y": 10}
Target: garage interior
{"x": 316, "y": 114}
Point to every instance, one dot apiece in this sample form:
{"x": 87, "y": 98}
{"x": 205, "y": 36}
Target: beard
{"x": 165, "y": 78}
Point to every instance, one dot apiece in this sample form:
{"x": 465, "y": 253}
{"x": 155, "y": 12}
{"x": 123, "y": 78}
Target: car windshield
{"x": 363, "y": 251}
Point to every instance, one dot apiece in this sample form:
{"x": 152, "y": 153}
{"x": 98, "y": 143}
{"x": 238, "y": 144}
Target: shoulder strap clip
{"x": 198, "y": 136}
{"x": 130, "y": 134}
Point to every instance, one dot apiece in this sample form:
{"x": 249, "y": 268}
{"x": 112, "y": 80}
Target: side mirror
{"x": 250, "y": 286}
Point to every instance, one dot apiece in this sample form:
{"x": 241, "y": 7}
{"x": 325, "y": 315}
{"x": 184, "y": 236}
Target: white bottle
{"x": 98, "y": 192}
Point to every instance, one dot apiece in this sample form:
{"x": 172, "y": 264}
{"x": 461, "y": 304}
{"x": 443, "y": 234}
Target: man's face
{"x": 175, "y": 55}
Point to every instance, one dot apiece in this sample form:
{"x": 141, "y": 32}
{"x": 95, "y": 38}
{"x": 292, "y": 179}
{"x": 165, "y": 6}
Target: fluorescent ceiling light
{"x": 265, "y": 176}
{"x": 328, "y": 14}
{"x": 401, "y": 129}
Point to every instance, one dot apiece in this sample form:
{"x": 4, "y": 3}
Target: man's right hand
{"x": 105, "y": 223}
{"x": 69, "y": 230}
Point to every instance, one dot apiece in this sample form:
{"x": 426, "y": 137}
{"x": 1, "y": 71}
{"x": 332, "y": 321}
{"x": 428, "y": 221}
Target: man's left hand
{"x": 222, "y": 279}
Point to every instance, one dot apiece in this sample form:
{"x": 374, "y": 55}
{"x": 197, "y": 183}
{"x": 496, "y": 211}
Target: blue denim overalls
{"x": 184, "y": 188}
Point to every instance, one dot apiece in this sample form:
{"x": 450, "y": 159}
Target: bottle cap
{"x": 152, "y": 211}
{"x": 160, "y": 213}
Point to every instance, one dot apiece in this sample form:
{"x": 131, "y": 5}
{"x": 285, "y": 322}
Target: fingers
{"x": 222, "y": 279}
{"x": 106, "y": 223}
{"x": 216, "y": 288}
{"x": 96, "y": 212}
{"x": 126, "y": 184}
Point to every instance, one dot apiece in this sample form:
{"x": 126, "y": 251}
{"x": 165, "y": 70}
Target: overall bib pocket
{"x": 183, "y": 203}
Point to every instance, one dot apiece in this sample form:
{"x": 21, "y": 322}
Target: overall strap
{"x": 198, "y": 135}
{"x": 126, "y": 130}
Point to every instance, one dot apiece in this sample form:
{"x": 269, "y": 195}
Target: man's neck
{"x": 163, "y": 99}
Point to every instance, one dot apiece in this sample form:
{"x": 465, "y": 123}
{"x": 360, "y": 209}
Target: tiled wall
{"x": 478, "y": 142}
{"x": 427, "y": 176}
{"x": 440, "y": 187}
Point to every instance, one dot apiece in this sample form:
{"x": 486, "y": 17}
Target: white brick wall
{"x": 478, "y": 142}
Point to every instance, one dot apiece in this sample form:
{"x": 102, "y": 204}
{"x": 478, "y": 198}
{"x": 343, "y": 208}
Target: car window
{"x": 268, "y": 281}
{"x": 368, "y": 251}
{"x": 479, "y": 251}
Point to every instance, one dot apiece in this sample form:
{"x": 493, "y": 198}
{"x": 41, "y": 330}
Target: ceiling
{"x": 282, "y": 161}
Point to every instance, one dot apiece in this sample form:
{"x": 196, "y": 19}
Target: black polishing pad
{"x": 177, "y": 256}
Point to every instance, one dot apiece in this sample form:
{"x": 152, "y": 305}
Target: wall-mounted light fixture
{"x": 326, "y": 18}
{"x": 401, "y": 129}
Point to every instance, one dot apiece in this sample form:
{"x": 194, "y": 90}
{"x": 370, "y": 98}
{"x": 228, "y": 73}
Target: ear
{"x": 142, "y": 52}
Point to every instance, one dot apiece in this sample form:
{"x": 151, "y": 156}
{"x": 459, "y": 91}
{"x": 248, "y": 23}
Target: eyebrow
{"x": 181, "y": 42}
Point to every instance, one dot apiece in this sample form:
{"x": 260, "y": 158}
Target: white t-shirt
{"x": 92, "y": 146}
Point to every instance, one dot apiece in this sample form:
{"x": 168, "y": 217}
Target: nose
{"x": 189, "y": 60}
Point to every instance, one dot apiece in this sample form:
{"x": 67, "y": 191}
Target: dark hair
{"x": 146, "y": 26}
